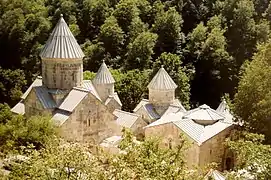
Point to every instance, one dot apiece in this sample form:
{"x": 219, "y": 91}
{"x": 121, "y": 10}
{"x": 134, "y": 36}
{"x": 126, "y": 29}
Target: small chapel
{"x": 90, "y": 110}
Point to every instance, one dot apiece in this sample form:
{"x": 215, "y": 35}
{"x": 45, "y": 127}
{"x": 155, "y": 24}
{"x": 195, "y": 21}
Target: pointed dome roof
{"x": 103, "y": 76}
{"x": 203, "y": 115}
{"x": 223, "y": 107}
{"x": 61, "y": 44}
{"x": 162, "y": 81}
{"x": 214, "y": 174}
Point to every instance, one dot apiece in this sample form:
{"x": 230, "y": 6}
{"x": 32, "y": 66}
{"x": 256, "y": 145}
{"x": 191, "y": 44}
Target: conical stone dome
{"x": 162, "y": 81}
{"x": 103, "y": 76}
{"x": 61, "y": 44}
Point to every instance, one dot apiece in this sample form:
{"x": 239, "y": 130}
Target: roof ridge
{"x": 133, "y": 114}
{"x": 82, "y": 89}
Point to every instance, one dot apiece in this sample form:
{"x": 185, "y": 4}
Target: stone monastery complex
{"x": 90, "y": 111}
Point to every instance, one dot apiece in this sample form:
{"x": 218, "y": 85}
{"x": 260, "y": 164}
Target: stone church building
{"x": 90, "y": 110}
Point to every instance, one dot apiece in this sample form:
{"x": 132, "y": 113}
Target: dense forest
{"x": 211, "y": 49}
{"x": 202, "y": 44}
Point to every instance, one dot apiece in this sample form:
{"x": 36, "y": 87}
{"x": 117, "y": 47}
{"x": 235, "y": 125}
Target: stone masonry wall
{"x": 104, "y": 90}
{"x": 169, "y": 134}
{"x": 112, "y": 105}
{"x": 62, "y": 74}
{"x": 161, "y": 99}
{"x": 33, "y": 106}
{"x": 213, "y": 150}
{"x": 90, "y": 122}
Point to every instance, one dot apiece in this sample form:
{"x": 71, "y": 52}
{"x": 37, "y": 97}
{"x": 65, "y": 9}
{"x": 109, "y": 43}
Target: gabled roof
{"x": 125, "y": 119}
{"x": 171, "y": 109}
{"x": 177, "y": 103}
{"x": 88, "y": 85}
{"x": 203, "y": 113}
{"x": 170, "y": 117}
{"x": 162, "y": 81}
{"x": 19, "y": 108}
{"x": 149, "y": 108}
{"x": 214, "y": 174}
{"x": 140, "y": 104}
{"x": 37, "y": 82}
{"x": 60, "y": 117}
{"x": 223, "y": 107}
{"x": 73, "y": 99}
{"x": 115, "y": 97}
{"x": 112, "y": 141}
{"x": 61, "y": 44}
{"x": 103, "y": 75}
{"x": 196, "y": 131}
{"x": 44, "y": 97}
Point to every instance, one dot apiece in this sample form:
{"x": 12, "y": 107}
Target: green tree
{"x": 94, "y": 54}
{"x": 251, "y": 155}
{"x": 5, "y": 113}
{"x": 173, "y": 65}
{"x": 146, "y": 160}
{"x": 20, "y": 131}
{"x": 131, "y": 87}
{"x": 92, "y": 17}
{"x": 24, "y": 27}
{"x": 125, "y": 12}
{"x": 253, "y": 100}
{"x": 136, "y": 27}
{"x": 112, "y": 36}
{"x": 167, "y": 25}
{"x": 140, "y": 51}
{"x": 12, "y": 81}
{"x": 207, "y": 49}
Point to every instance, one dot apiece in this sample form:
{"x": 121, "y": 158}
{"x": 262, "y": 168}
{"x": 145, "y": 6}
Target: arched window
{"x": 170, "y": 143}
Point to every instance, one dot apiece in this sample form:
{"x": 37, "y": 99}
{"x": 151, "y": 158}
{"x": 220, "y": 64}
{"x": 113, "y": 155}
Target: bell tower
{"x": 62, "y": 59}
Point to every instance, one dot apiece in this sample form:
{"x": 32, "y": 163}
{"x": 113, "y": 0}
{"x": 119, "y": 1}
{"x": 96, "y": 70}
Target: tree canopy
{"x": 253, "y": 100}
{"x": 133, "y": 34}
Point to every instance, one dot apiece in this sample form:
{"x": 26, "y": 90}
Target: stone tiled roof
{"x": 125, "y": 119}
{"x": 43, "y": 96}
{"x": 115, "y": 96}
{"x": 103, "y": 76}
{"x": 215, "y": 175}
{"x": 162, "y": 81}
{"x": 170, "y": 117}
{"x": 73, "y": 99}
{"x": 112, "y": 141}
{"x": 223, "y": 107}
{"x": 61, "y": 44}
{"x": 196, "y": 131}
{"x": 19, "y": 108}
{"x": 37, "y": 82}
{"x": 140, "y": 104}
{"x": 203, "y": 113}
{"x": 88, "y": 85}
{"x": 60, "y": 117}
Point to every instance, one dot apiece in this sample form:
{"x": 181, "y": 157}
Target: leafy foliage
{"x": 253, "y": 100}
{"x": 19, "y": 131}
{"x": 251, "y": 155}
{"x": 146, "y": 160}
